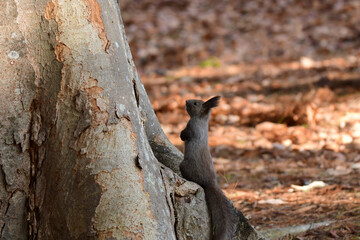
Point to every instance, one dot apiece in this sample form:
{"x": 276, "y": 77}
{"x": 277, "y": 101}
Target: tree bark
{"x": 17, "y": 90}
{"x": 80, "y": 142}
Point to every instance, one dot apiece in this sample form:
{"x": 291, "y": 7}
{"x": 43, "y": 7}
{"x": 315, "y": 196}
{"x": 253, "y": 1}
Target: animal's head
{"x": 200, "y": 108}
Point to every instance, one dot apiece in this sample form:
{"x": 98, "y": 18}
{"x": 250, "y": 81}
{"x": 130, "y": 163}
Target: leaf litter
{"x": 285, "y": 139}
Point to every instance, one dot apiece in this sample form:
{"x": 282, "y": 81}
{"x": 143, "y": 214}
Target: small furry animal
{"x": 198, "y": 167}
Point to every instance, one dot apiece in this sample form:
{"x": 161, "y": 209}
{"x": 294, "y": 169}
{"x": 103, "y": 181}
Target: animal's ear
{"x": 212, "y": 102}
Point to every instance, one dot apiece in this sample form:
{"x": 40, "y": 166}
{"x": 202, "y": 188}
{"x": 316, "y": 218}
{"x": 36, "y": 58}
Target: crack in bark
{"x": 137, "y": 162}
{"x": 11, "y": 195}
{"x": 136, "y": 92}
{"x": 171, "y": 209}
{"x": 3, "y": 177}
{"x": 32, "y": 212}
{"x": 6, "y": 209}
{"x": 175, "y": 214}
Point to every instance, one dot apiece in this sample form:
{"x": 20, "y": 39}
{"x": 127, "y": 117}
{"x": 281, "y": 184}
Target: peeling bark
{"x": 17, "y": 91}
{"x": 92, "y": 146}
{"x": 15, "y": 226}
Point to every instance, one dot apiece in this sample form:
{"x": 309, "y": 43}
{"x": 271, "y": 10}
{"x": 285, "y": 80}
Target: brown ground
{"x": 288, "y": 72}
{"x": 268, "y": 135}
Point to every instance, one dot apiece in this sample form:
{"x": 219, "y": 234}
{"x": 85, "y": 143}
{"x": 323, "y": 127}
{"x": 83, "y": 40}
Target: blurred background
{"x": 286, "y": 136}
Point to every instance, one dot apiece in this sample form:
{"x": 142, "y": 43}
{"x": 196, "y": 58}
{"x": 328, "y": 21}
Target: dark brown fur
{"x": 198, "y": 167}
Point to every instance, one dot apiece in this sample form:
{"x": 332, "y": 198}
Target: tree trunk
{"x": 80, "y": 142}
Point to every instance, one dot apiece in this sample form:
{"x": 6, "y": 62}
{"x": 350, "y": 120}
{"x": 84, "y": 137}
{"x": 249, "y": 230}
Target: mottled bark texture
{"x": 163, "y": 149}
{"x": 17, "y": 84}
{"x": 79, "y": 141}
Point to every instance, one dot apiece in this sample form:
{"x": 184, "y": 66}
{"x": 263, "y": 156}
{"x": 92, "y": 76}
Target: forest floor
{"x": 286, "y": 152}
{"x": 285, "y": 138}
{"x": 273, "y": 139}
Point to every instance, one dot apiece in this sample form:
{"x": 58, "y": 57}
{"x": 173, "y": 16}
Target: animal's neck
{"x": 203, "y": 118}
{"x": 200, "y": 127}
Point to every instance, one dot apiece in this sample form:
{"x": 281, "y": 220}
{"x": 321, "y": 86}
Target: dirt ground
{"x": 268, "y": 146}
{"x": 286, "y": 136}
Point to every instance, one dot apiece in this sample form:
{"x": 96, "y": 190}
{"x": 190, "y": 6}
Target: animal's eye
{"x": 195, "y": 103}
